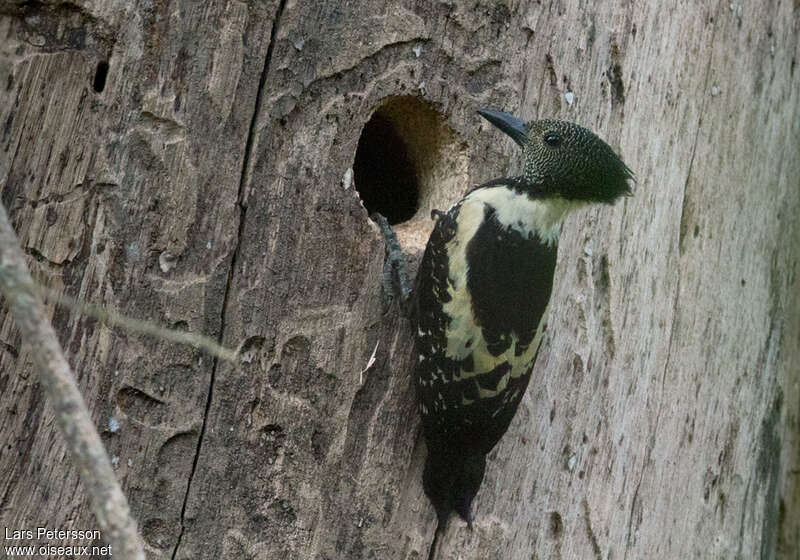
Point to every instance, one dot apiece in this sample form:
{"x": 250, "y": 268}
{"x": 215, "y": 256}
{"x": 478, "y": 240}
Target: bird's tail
{"x": 451, "y": 481}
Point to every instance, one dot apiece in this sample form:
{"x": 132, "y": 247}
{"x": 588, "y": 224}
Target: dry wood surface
{"x": 192, "y": 164}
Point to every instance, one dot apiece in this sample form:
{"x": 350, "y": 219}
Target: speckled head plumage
{"x": 565, "y": 160}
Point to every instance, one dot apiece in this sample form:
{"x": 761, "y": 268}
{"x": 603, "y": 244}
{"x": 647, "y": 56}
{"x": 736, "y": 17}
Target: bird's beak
{"x": 511, "y": 125}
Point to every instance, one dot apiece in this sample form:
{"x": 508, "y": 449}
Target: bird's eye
{"x": 552, "y": 139}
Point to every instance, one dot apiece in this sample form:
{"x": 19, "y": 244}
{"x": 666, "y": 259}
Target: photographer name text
{"x": 50, "y": 534}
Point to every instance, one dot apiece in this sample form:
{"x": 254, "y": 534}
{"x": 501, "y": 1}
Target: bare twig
{"x": 105, "y": 495}
{"x": 112, "y": 318}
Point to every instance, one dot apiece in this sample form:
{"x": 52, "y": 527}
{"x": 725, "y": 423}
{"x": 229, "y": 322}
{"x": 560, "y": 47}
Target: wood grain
{"x": 204, "y": 189}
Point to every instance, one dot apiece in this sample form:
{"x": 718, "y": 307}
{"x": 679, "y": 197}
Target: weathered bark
{"x": 86, "y": 451}
{"x": 205, "y": 186}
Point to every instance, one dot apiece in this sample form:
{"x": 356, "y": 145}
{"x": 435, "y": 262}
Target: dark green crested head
{"x": 566, "y": 160}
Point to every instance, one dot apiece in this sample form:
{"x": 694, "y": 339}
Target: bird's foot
{"x": 395, "y": 283}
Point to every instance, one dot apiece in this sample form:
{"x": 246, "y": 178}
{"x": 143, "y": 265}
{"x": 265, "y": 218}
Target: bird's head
{"x": 565, "y": 160}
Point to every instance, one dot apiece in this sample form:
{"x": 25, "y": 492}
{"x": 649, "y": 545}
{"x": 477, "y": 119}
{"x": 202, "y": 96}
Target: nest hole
{"x": 408, "y": 161}
{"x": 100, "y": 75}
{"x": 384, "y": 173}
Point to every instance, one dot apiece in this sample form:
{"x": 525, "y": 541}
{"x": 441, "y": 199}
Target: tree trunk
{"x": 194, "y": 164}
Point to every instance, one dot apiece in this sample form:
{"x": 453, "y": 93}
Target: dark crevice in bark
{"x": 590, "y": 531}
{"x": 744, "y": 511}
{"x": 248, "y": 154}
{"x": 435, "y": 543}
{"x": 6, "y": 347}
{"x": 41, "y": 259}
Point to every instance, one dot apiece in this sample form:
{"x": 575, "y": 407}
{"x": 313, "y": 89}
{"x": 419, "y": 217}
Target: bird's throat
{"x": 519, "y": 211}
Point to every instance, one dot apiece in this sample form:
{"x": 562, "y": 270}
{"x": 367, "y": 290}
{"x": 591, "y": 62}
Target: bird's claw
{"x": 395, "y": 282}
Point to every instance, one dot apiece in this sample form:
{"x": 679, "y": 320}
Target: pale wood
{"x": 205, "y": 188}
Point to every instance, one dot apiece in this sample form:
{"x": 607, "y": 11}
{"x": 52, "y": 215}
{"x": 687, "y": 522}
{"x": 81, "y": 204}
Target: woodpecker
{"x": 482, "y": 295}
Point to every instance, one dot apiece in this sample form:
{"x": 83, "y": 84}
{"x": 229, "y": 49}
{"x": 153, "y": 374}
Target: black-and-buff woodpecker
{"x": 483, "y": 291}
